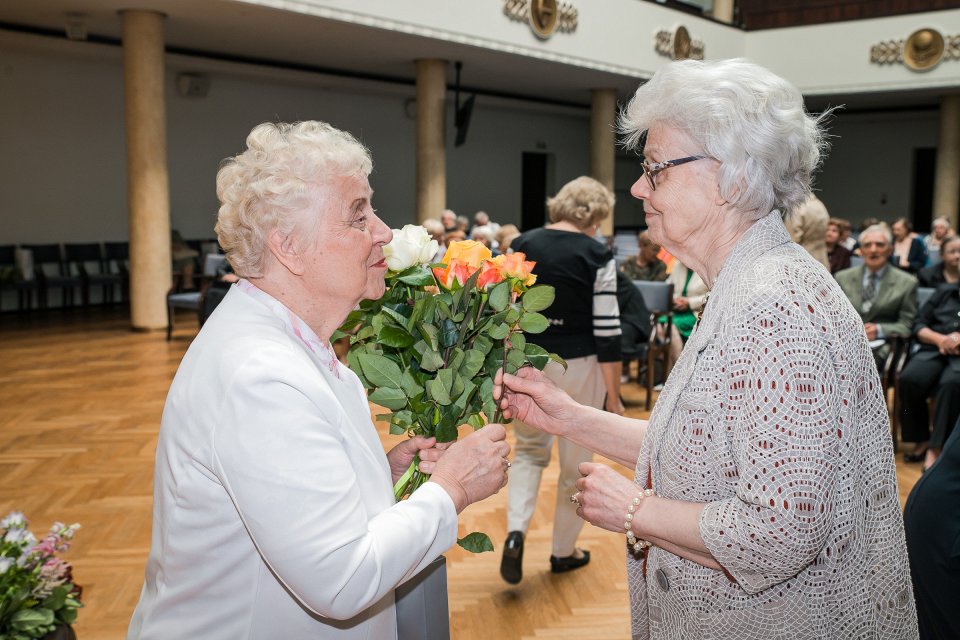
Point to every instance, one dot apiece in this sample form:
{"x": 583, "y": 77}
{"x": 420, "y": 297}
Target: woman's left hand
{"x": 603, "y": 496}
{"x": 402, "y": 455}
{"x": 681, "y": 304}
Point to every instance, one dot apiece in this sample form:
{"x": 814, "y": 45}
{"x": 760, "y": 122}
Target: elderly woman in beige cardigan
{"x": 764, "y": 503}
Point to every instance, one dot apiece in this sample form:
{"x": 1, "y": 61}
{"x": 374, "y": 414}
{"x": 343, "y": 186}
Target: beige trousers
{"x": 584, "y": 382}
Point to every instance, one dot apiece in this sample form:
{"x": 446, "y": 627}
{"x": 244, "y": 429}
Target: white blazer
{"x": 274, "y": 514}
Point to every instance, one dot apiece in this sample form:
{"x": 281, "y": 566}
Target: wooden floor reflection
{"x": 81, "y": 403}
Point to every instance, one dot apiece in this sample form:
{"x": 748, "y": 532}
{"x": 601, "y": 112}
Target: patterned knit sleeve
{"x": 782, "y": 413}
{"x": 606, "y": 313}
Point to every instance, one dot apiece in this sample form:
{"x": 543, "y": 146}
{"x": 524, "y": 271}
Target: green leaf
{"x": 538, "y": 298}
{"x": 518, "y": 341}
{"x": 389, "y": 397}
{"x": 534, "y": 323}
{"x": 500, "y": 296}
{"x": 476, "y": 542}
{"x": 409, "y": 385}
{"x": 403, "y": 418}
{"x": 380, "y": 370}
{"x": 475, "y": 420}
{"x": 56, "y": 599}
{"x": 512, "y": 315}
{"x": 354, "y": 366}
{"x": 397, "y": 430}
{"x": 396, "y": 312}
{"x": 515, "y": 360}
{"x": 68, "y": 615}
{"x": 430, "y": 334}
{"x": 430, "y": 360}
{"x": 449, "y": 334}
{"x": 439, "y": 388}
{"x": 472, "y": 362}
{"x": 417, "y": 276}
{"x": 365, "y": 333}
{"x": 395, "y": 337}
{"x": 537, "y": 356}
{"x": 482, "y": 344}
{"x": 27, "y": 619}
{"x": 559, "y": 360}
{"x": 486, "y": 394}
{"x": 500, "y": 331}
{"x": 338, "y": 334}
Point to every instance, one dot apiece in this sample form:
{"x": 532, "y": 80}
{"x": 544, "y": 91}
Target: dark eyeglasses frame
{"x": 651, "y": 170}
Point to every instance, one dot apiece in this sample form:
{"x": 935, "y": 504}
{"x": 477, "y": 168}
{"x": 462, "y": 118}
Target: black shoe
{"x": 915, "y": 456}
{"x": 559, "y": 565}
{"x": 511, "y": 565}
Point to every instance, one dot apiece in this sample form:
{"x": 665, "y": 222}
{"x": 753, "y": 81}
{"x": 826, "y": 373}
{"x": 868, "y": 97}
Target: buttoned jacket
{"x": 773, "y": 417}
{"x": 274, "y": 514}
{"x": 895, "y": 306}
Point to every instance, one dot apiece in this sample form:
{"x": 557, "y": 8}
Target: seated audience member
{"x": 481, "y": 220}
{"x": 933, "y": 371}
{"x": 932, "y": 524}
{"x": 184, "y": 260}
{"x": 846, "y": 235}
{"x": 482, "y": 236}
{"x": 645, "y": 265}
{"x": 947, "y": 270}
{"x": 454, "y": 236}
{"x": 449, "y": 220}
{"x": 940, "y": 232}
{"x": 505, "y": 235}
{"x": 437, "y": 232}
{"x": 807, "y": 225}
{"x": 908, "y": 251}
{"x": 837, "y": 254}
{"x": 634, "y": 321}
{"x": 865, "y": 224}
{"x": 689, "y": 296}
{"x": 885, "y": 297}
{"x": 463, "y": 224}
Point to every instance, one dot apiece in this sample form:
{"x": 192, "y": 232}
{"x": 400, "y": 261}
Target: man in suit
{"x": 884, "y": 296}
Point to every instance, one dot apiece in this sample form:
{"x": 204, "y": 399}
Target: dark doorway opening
{"x": 536, "y": 178}
{"x": 921, "y": 204}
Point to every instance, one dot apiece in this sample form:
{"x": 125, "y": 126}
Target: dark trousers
{"x": 924, "y": 378}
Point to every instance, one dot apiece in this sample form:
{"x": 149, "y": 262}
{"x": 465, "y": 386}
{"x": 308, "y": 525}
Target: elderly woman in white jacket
{"x": 274, "y": 514}
{"x": 764, "y": 502}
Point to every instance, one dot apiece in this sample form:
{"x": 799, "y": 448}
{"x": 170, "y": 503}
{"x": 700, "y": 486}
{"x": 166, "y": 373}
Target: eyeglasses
{"x": 651, "y": 170}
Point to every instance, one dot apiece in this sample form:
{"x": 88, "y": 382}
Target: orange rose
{"x": 490, "y": 274}
{"x": 455, "y": 270}
{"x": 470, "y": 252}
{"x": 514, "y": 265}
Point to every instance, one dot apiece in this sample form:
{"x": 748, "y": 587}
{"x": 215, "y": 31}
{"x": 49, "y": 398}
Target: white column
{"x": 946, "y": 185}
{"x": 147, "y": 184}
{"x": 603, "y": 152}
{"x": 431, "y": 138}
{"x": 723, "y": 10}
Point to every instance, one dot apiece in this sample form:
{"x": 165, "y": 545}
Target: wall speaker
{"x": 193, "y": 85}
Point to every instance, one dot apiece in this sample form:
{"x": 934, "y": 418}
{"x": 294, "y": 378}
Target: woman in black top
{"x": 934, "y": 371}
{"x": 585, "y": 331}
{"x": 947, "y": 270}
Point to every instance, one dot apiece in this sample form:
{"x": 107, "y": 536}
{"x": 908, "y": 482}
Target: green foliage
{"x": 428, "y": 355}
{"x": 476, "y": 542}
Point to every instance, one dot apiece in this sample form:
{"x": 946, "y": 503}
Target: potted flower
{"x": 38, "y": 598}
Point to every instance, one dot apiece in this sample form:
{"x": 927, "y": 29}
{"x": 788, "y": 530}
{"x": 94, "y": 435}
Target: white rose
{"x": 410, "y": 245}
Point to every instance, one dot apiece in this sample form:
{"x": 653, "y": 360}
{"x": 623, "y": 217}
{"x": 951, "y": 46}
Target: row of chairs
{"x": 33, "y": 270}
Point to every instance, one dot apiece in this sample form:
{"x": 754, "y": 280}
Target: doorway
{"x": 921, "y": 202}
{"x": 537, "y": 182}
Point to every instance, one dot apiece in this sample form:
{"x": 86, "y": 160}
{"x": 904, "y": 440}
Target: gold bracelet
{"x": 636, "y": 544}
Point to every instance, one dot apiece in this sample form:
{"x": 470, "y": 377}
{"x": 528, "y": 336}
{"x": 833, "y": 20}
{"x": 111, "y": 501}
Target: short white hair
{"x": 268, "y": 186}
{"x": 750, "y": 120}
{"x": 882, "y": 229}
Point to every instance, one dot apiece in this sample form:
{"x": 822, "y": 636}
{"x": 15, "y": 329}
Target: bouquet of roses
{"x": 429, "y": 348}
{"x": 36, "y": 587}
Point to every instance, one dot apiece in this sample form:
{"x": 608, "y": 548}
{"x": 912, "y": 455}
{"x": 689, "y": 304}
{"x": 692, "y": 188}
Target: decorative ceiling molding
{"x": 677, "y": 44}
{"x": 921, "y": 51}
{"x": 545, "y": 17}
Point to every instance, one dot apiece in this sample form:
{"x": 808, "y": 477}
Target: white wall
{"x": 63, "y": 167}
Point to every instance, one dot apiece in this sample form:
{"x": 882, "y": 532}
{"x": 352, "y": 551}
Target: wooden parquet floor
{"x": 79, "y": 412}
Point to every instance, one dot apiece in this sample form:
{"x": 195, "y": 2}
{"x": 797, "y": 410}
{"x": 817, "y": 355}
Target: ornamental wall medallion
{"x": 678, "y": 44}
{"x": 921, "y": 51}
{"x": 545, "y": 17}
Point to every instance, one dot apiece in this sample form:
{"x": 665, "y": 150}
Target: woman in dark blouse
{"x": 948, "y": 270}
{"x": 933, "y": 371}
{"x": 909, "y": 253}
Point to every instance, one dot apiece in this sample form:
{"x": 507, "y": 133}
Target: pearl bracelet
{"x": 632, "y": 541}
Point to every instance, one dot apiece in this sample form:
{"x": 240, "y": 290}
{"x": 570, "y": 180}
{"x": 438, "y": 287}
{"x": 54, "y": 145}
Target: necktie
{"x": 869, "y": 292}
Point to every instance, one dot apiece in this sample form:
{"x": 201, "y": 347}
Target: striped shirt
{"x": 584, "y": 318}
